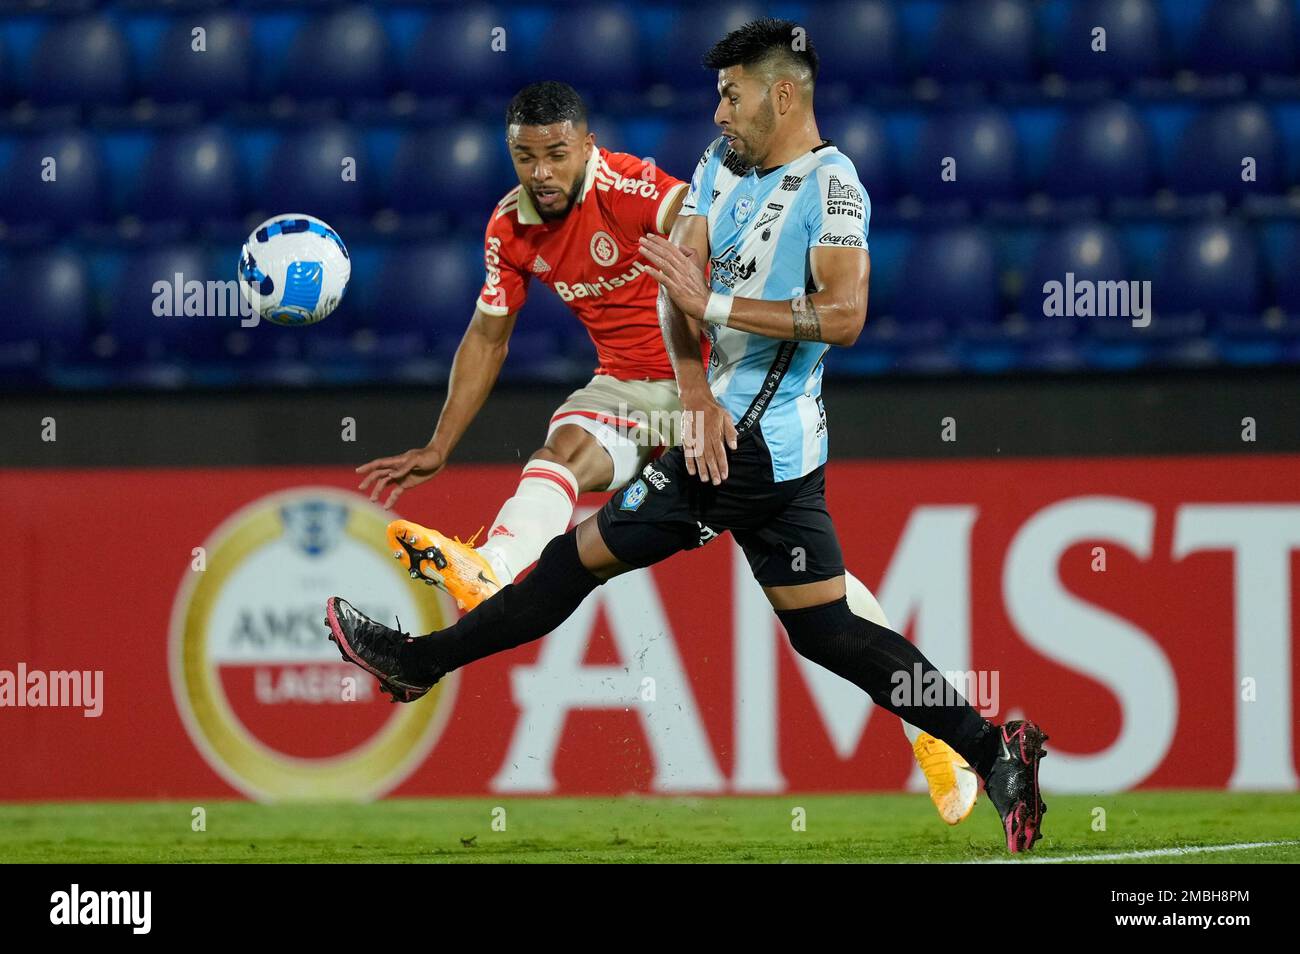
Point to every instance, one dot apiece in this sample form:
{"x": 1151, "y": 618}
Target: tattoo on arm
{"x": 807, "y": 323}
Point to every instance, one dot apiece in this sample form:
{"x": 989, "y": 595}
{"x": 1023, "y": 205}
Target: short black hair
{"x": 766, "y": 40}
{"x": 545, "y": 104}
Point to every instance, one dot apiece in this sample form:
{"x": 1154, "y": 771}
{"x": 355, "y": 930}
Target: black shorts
{"x": 783, "y": 527}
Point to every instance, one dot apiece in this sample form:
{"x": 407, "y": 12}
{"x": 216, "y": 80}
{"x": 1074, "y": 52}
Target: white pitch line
{"x": 1146, "y": 853}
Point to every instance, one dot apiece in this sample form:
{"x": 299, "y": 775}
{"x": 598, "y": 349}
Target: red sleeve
{"x": 505, "y": 287}
{"x": 643, "y": 191}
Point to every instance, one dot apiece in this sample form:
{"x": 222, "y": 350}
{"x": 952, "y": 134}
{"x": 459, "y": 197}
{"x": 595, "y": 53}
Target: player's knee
{"x": 815, "y": 631}
{"x": 580, "y": 454}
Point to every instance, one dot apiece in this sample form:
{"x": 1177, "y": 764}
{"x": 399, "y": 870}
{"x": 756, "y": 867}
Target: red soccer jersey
{"x": 591, "y": 259}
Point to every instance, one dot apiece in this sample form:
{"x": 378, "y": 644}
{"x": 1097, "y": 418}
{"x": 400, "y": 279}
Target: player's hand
{"x": 401, "y": 472}
{"x": 707, "y": 432}
{"x": 680, "y": 271}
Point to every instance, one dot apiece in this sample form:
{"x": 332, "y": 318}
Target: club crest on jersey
{"x": 604, "y": 250}
{"x": 744, "y": 209}
{"x": 634, "y": 496}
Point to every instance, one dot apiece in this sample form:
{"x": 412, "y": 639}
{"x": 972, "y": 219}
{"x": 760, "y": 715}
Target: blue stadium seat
{"x": 1135, "y": 41}
{"x": 192, "y": 176}
{"x": 677, "y": 54}
{"x": 1286, "y": 277}
{"x": 427, "y": 291}
{"x": 950, "y": 274}
{"x": 989, "y": 40}
{"x": 1247, "y": 36}
{"x": 860, "y": 135}
{"x": 1213, "y": 145}
{"x": 1089, "y": 251}
{"x": 593, "y": 48}
{"x": 1209, "y": 268}
{"x": 1106, "y": 152}
{"x": 218, "y": 75}
{"x": 139, "y": 334}
{"x": 75, "y": 195}
{"x": 345, "y": 54}
{"x": 454, "y": 55}
{"x": 857, "y": 42}
{"x": 306, "y": 174}
{"x": 47, "y": 296}
{"x": 81, "y": 61}
{"x": 983, "y": 144}
{"x": 461, "y": 168}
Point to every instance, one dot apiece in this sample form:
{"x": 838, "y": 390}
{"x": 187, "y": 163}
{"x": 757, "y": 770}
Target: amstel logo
{"x": 262, "y": 691}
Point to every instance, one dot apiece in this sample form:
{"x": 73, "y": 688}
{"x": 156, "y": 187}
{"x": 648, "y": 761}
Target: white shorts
{"x": 635, "y": 421}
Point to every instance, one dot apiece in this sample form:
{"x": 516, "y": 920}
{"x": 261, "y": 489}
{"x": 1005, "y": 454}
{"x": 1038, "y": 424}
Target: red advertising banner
{"x": 163, "y": 637}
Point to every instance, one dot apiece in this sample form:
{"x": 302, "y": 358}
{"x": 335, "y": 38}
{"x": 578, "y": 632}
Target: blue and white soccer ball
{"x": 294, "y": 269}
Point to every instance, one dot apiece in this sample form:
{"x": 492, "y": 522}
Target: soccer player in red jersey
{"x": 574, "y": 223}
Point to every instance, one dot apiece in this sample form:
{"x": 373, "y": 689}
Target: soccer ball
{"x": 294, "y": 269}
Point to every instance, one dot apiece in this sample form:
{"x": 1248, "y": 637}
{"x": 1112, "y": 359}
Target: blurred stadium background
{"x": 1174, "y": 447}
{"x": 1124, "y": 165}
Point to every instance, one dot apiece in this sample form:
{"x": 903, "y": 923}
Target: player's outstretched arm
{"x": 835, "y": 313}
{"x": 474, "y": 371}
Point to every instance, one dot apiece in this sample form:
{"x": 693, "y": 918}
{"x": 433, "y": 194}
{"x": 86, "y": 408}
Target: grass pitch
{"x": 839, "y": 828}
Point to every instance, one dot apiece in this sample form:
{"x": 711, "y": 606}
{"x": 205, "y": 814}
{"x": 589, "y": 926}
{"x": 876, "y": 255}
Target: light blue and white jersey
{"x": 762, "y": 230}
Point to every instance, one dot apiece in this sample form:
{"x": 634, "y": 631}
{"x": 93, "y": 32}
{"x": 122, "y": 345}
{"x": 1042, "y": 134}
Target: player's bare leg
{"x": 954, "y": 787}
{"x": 571, "y": 462}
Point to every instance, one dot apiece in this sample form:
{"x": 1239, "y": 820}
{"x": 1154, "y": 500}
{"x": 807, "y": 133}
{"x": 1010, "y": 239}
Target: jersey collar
{"x": 527, "y": 212}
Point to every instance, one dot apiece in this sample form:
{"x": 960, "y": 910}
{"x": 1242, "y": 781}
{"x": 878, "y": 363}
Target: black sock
{"x": 869, "y": 655}
{"x": 520, "y": 613}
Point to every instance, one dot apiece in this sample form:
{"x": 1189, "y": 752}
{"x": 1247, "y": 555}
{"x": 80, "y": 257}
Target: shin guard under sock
{"x": 870, "y": 656}
{"x": 519, "y": 613}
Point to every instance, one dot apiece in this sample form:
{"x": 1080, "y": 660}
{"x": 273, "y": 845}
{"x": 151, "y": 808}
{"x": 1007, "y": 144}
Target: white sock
{"x": 540, "y": 510}
{"x": 864, "y": 603}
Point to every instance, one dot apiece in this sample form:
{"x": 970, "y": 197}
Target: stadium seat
{"x": 1247, "y": 36}
{"x": 137, "y": 333}
{"x": 1089, "y": 251}
{"x": 1212, "y": 148}
{"x": 1104, "y": 152}
{"x": 860, "y": 135}
{"x": 342, "y": 54}
{"x": 858, "y": 42}
{"x": 461, "y": 168}
{"x": 306, "y": 173}
{"x": 950, "y": 274}
{"x": 47, "y": 296}
{"x": 988, "y": 40}
{"x": 1135, "y": 41}
{"x": 594, "y": 48}
{"x": 677, "y": 55}
{"x": 427, "y": 291}
{"x": 75, "y": 195}
{"x": 454, "y": 55}
{"x": 983, "y": 144}
{"x": 1209, "y": 268}
{"x": 82, "y": 61}
{"x": 218, "y": 75}
{"x": 192, "y": 176}
{"x": 1286, "y": 276}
